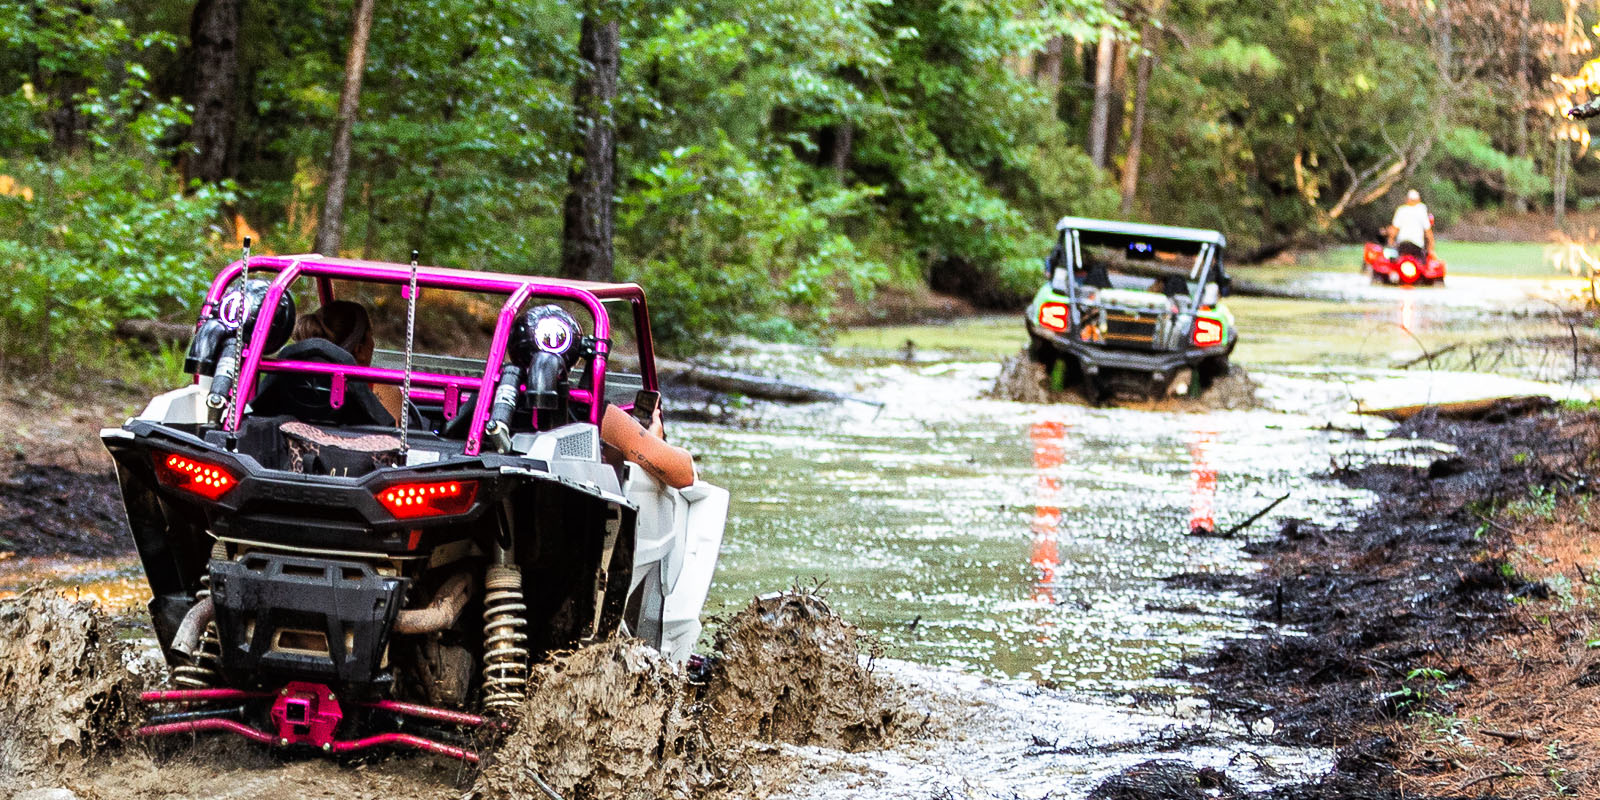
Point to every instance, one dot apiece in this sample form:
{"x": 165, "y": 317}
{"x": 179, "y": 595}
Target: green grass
{"x": 1481, "y": 259}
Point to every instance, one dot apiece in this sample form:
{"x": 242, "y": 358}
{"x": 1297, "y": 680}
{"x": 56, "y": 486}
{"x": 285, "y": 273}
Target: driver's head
{"x": 1413, "y": 197}
{"x": 342, "y": 322}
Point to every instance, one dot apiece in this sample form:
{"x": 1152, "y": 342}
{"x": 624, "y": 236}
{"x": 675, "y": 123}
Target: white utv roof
{"x": 1113, "y": 229}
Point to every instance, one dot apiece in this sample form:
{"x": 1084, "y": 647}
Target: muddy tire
{"x": 1041, "y": 351}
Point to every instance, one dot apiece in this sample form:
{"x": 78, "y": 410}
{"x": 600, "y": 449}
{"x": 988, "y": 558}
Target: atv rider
{"x": 1411, "y": 231}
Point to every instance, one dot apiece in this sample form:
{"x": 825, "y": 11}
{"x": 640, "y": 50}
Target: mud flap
{"x": 706, "y": 518}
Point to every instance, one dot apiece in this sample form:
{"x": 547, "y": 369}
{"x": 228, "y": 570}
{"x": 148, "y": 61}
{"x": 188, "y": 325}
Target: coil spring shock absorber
{"x": 505, "y": 661}
{"x": 206, "y": 666}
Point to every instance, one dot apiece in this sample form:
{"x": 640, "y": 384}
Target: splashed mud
{"x": 605, "y": 721}
{"x": 790, "y": 670}
{"x": 615, "y": 720}
{"x": 65, "y": 694}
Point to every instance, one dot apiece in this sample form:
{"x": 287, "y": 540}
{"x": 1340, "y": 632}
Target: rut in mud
{"x": 614, "y": 720}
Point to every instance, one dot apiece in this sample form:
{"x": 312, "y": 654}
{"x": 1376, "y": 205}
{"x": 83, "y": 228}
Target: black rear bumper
{"x": 1093, "y": 358}
{"x": 313, "y": 619}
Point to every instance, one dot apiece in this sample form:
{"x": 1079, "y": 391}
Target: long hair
{"x": 342, "y": 322}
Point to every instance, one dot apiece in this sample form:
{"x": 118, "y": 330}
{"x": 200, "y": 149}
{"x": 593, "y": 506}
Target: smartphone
{"x": 644, "y": 406}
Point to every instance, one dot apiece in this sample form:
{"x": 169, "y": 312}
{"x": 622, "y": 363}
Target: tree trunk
{"x": 591, "y": 184}
{"x": 1519, "y": 136}
{"x": 330, "y": 230}
{"x": 1116, "y": 108}
{"x": 1141, "y": 98}
{"x": 1049, "y": 67}
{"x": 844, "y": 136}
{"x": 1102, "y": 98}
{"x": 214, "y": 79}
{"x": 1559, "y": 183}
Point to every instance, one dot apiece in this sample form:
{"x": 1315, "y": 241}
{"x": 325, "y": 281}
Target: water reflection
{"x": 1202, "y": 483}
{"x": 115, "y": 584}
{"x": 1049, "y": 450}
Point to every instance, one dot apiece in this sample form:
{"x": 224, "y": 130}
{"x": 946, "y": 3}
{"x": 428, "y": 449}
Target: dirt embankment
{"x": 1443, "y": 652}
{"x": 58, "y": 493}
{"x": 609, "y": 721}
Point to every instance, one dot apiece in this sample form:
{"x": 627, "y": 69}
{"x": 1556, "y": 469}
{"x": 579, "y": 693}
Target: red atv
{"x": 1399, "y": 268}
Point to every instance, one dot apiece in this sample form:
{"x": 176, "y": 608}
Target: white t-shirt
{"x": 1411, "y": 223}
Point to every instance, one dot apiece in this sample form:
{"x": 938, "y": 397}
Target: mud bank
{"x": 51, "y": 510}
{"x": 1390, "y": 605}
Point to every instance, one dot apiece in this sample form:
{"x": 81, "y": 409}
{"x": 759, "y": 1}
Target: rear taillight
{"x": 435, "y": 499}
{"x": 207, "y": 480}
{"x": 1207, "y": 332}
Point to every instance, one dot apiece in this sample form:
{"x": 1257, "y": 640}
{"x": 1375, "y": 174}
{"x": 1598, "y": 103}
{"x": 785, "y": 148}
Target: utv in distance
{"x": 1134, "y": 308}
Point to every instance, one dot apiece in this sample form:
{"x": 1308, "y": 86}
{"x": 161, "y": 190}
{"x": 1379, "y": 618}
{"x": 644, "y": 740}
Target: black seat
{"x": 307, "y": 397}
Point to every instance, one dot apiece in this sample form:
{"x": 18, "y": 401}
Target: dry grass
{"x": 1518, "y": 715}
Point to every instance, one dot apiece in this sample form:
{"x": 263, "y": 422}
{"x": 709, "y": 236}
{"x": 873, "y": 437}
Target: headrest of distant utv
{"x": 545, "y": 329}
{"x": 237, "y": 310}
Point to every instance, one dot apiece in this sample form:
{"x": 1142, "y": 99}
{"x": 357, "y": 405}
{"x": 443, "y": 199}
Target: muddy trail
{"x": 50, "y": 510}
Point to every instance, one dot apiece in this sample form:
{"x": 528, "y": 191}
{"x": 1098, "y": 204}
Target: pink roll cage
{"x": 518, "y": 290}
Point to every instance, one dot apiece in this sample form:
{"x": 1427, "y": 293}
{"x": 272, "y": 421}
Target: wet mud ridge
{"x": 50, "y": 510}
{"x": 612, "y": 720}
{"x": 1385, "y": 608}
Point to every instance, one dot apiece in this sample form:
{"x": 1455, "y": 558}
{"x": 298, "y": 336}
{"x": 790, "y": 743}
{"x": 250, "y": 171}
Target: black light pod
{"x": 545, "y": 343}
{"x": 222, "y": 337}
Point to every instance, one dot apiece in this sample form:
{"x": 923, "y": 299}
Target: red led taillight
{"x": 1207, "y": 332}
{"x": 411, "y": 500}
{"x": 207, "y": 480}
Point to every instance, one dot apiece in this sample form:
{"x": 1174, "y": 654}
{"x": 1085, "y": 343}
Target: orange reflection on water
{"x": 113, "y": 584}
{"x": 1408, "y": 313}
{"x": 1202, "y": 482}
{"x": 1049, "y": 452}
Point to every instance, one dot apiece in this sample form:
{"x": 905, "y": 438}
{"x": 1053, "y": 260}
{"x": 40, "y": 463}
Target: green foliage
{"x": 724, "y": 246}
{"x": 104, "y": 232}
{"x": 772, "y": 153}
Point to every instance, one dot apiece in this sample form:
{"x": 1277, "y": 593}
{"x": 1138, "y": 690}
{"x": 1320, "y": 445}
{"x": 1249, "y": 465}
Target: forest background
{"x": 749, "y": 162}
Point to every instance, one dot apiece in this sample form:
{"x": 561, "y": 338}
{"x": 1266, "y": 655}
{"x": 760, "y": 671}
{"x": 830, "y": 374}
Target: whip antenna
{"x": 411, "y": 331}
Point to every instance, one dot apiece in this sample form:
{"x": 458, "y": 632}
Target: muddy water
{"x": 1012, "y": 540}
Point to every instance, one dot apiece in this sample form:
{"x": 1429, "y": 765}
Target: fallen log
{"x": 1486, "y": 408}
{"x": 155, "y": 332}
{"x": 732, "y": 382}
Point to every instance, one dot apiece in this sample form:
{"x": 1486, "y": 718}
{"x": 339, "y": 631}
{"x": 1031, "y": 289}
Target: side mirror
{"x": 1210, "y": 295}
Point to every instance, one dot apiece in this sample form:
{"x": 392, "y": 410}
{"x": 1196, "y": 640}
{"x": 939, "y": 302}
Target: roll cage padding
{"x": 307, "y": 397}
